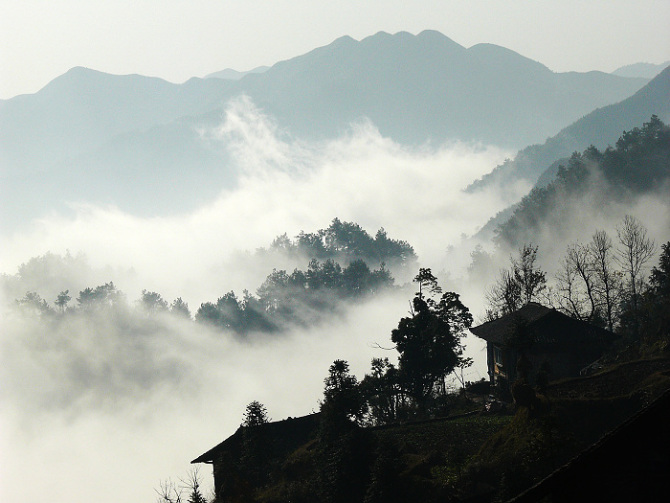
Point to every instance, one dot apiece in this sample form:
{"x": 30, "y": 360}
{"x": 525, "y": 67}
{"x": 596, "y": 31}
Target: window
{"x": 497, "y": 356}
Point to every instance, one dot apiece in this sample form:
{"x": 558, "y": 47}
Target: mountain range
{"x": 136, "y": 141}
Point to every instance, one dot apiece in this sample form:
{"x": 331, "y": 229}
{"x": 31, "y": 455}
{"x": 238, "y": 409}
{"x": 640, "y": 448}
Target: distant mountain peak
{"x": 78, "y": 72}
{"x": 231, "y": 74}
{"x": 426, "y": 36}
{"x": 80, "y": 78}
{"x": 343, "y": 40}
{"x": 436, "y": 36}
{"x": 432, "y": 33}
{"x": 75, "y": 76}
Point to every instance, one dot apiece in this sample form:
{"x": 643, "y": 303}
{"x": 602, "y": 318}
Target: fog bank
{"x": 103, "y": 409}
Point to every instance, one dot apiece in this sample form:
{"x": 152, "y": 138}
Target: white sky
{"x": 41, "y": 39}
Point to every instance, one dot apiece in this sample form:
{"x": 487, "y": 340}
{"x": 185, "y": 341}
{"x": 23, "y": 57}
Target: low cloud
{"x": 285, "y": 185}
{"x": 102, "y": 409}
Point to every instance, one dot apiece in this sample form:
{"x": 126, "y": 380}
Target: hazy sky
{"x": 175, "y": 40}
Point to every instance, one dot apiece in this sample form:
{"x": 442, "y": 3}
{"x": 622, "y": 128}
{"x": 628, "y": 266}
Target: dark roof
{"x": 291, "y": 431}
{"x": 232, "y": 442}
{"x": 544, "y": 325}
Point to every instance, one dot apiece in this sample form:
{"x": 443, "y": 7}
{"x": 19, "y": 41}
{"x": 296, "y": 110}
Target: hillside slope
{"x": 590, "y": 184}
{"x": 601, "y": 127}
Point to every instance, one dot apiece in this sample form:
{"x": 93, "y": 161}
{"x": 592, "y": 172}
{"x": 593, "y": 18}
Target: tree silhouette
{"x": 522, "y": 283}
{"x": 429, "y": 340}
{"x": 427, "y": 283}
{"x": 32, "y": 302}
{"x": 255, "y": 414}
{"x": 343, "y": 447}
{"x": 343, "y": 404}
{"x": 380, "y": 391}
{"x": 180, "y": 308}
{"x": 102, "y": 296}
{"x": 152, "y": 302}
{"x": 660, "y": 276}
{"x": 62, "y": 300}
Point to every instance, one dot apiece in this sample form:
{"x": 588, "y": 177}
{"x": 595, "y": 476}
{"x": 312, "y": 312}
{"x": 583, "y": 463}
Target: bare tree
{"x": 504, "y": 296}
{"x": 528, "y": 275}
{"x": 568, "y": 295}
{"x": 580, "y": 260}
{"x": 608, "y": 284}
{"x": 635, "y": 250}
{"x": 517, "y": 286}
{"x": 169, "y": 492}
{"x": 193, "y": 486}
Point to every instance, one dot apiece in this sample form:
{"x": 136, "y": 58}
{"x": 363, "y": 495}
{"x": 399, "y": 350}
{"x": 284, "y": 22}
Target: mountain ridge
{"x": 601, "y": 127}
{"x": 416, "y": 89}
{"x": 646, "y": 70}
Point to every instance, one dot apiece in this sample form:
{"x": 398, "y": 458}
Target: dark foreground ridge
{"x": 630, "y": 463}
{"x": 581, "y": 441}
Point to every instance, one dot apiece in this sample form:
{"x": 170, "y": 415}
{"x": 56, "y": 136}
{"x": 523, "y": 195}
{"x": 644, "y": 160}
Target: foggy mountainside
{"x": 132, "y": 140}
{"x": 592, "y": 184}
{"x": 600, "y": 128}
{"x": 322, "y": 241}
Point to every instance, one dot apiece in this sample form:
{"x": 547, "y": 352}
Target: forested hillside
{"x": 599, "y": 128}
{"x": 401, "y": 435}
{"x": 594, "y": 180}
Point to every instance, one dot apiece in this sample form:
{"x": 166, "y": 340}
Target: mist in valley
{"x": 127, "y": 184}
{"x": 104, "y": 406}
{"x": 285, "y": 186}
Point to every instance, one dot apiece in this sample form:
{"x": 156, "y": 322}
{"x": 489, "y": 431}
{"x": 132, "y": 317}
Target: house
{"x": 271, "y": 441}
{"x": 547, "y": 340}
